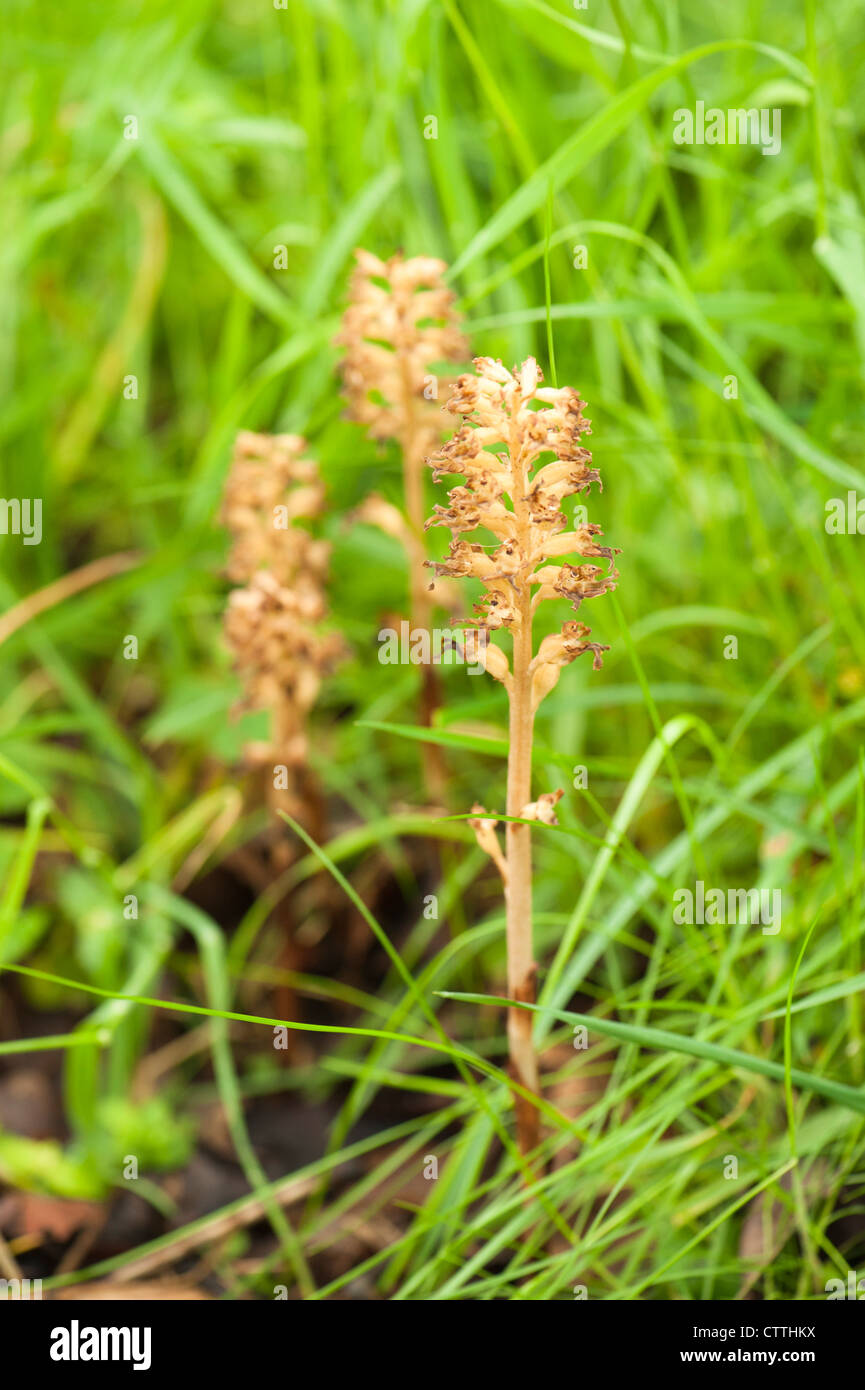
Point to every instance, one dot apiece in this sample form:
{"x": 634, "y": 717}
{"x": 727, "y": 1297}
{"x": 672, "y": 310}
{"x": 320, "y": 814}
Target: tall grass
{"x": 146, "y": 322}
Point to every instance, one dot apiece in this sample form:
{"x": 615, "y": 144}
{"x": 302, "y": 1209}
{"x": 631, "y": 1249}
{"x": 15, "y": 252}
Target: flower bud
{"x": 494, "y": 661}
{"x": 544, "y": 679}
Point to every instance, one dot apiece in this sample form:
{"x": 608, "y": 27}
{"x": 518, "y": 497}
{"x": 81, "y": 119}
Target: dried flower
{"x": 400, "y": 322}
{"x": 522, "y": 510}
{"x": 520, "y": 453}
{"x": 544, "y": 809}
{"x": 269, "y": 487}
{"x": 273, "y": 624}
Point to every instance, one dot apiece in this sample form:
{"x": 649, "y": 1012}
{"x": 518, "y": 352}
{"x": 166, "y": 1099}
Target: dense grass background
{"x": 154, "y": 258}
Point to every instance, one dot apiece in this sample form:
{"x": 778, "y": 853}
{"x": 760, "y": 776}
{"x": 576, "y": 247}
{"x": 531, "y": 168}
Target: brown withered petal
{"x": 495, "y": 611}
{"x": 581, "y": 582}
{"x": 580, "y": 542}
{"x": 464, "y": 559}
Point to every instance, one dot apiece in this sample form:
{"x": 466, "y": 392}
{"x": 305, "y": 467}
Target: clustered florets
{"x": 503, "y": 438}
{"x": 269, "y": 487}
{"x": 272, "y": 623}
{"x": 399, "y": 322}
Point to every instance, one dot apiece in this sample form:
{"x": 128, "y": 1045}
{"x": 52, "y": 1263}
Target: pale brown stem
{"x": 421, "y": 608}
{"x": 412, "y": 469}
{"x": 518, "y": 892}
{"x": 302, "y": 799}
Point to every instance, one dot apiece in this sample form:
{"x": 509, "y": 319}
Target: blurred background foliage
{"x": 153, "y": 258}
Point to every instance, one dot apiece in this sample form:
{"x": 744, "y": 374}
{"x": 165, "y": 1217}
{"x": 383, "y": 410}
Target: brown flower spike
{"x": 400, "y": 322}
{"x": 520, "y": 453}
{"x": 273, "y": 623}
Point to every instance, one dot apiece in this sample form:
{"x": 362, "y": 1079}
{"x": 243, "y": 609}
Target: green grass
{"x": 154, "y": 258}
